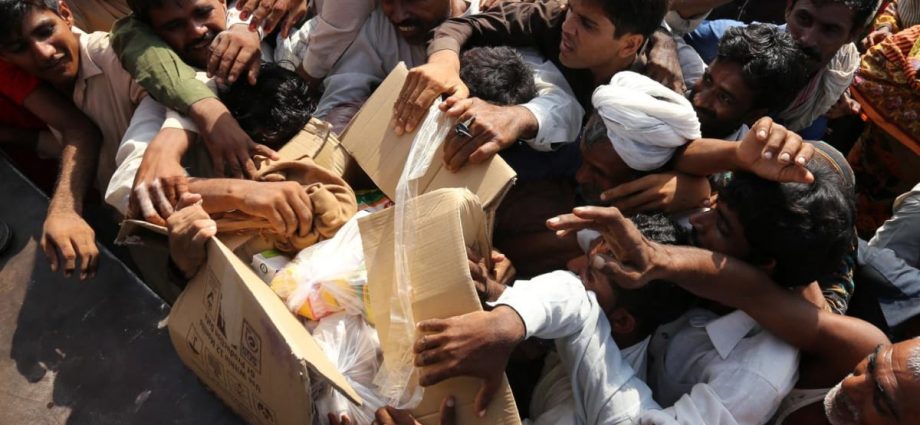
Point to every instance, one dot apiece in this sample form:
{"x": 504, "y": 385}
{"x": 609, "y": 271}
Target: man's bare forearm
{"x": 78, "y": 158}
{"x": 688, "y": 9}
{"x": 220, "y": 195}
{"x": 704, "y": 157}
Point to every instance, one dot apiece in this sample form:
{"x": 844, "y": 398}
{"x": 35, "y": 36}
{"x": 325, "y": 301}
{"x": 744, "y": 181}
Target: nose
{"x": 197, "y": 29}
{"x": 701, "y": 98}
{"x": 398, "y": 12}
{"x": 808, "y": 38}
{"x": 43, "y": 51}
{"x": 568, "y": 24}
{"x": 701, "y": 219}
{"x": 857, "y": 387}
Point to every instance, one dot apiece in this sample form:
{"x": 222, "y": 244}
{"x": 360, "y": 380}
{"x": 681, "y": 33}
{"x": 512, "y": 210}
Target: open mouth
{"x": 55, "y": 63}
{"x": 566, "y": 46}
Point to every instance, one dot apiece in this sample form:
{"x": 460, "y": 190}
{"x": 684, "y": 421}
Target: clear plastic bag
{"x": 397, "y": 380}
{"x": 353, "y": 347}
{"x": 327, "y": 277}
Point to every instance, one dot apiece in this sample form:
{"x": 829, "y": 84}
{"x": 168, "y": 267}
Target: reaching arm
{"x": 767, "y": 150}
{"x": 67, "y": 237}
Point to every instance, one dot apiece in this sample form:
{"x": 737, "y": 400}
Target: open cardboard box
{"x": 241, "y": 340}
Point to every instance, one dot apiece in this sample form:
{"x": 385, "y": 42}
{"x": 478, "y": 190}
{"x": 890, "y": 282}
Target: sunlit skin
{"x": 723, "y": 101}
{"x": 820, "y": 28}
{"x": 881, "y": 390}
{"x": 46, "y": 47}
{"x": 189, "y": 26}
{"x": 588, "y": 42}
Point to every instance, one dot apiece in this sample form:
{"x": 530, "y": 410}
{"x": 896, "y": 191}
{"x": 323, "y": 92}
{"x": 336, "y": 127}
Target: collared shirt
{"x": 605, "y": 388}
{"x": 107, "y": 94}
{"x": 705, "y": 367}
{"x": 379, "y": 48}
{"x": 327, "y": 35}
{"x": 718, "y": 370}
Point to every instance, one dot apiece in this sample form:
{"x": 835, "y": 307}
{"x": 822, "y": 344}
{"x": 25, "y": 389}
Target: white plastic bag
{"x": 398, "y": 378}
{"x": 353, "y": 347}
{"x": 327, "y": 277}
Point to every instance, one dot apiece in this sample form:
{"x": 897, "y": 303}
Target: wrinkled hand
{"x": 662, "y": 64}
{"x": 424, "y": 84}
{"x": 268, "y": 13}
{"x": 189, "y": 229}
{"x": 227, "y": 143}
{"x": 493, "y": 128}
{"x": 68, "y": 239}
{"x": 285, "y": 205}
{"x": 158, "y": 185}
{"x": 392, "y": 416}
{"x": 635, "y": 260}
{"x": 668, "y": 192}
{"x": 768, "y": 149}
{"x": 876, "y": 37}
{"x": 233, "y": 52}
{"x": 475, "y": 344}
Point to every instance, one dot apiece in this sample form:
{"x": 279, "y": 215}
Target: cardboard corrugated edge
{"x": 382, "y": 154}
{"x": 447, "y": 222}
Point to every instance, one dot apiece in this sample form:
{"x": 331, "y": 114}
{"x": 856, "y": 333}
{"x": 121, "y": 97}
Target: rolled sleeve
{"x": 333, "y": 30}
{"x": 558, "y": 113}
{"x": 551, "y": 305}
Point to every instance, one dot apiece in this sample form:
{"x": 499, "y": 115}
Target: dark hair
{"x": 772, "y": 63}
{"x": 273, "y": 110}
{"x": 660, "y": 301}
{"x": 141, "y": 8}
{"x": 12, "y": 13}
{"x": 862, "y": 10}
{"x": 497, "y": 75}
{"x": 634, "y": 16}
{"x": 805, "y": 228}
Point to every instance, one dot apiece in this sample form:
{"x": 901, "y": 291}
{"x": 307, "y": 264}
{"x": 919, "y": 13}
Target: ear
{"x": 631, "y": 44}
{"x": 622, "y": 321}
{"x": 65, "y": 13}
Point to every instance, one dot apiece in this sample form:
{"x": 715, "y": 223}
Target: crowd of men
{"x": 679, "y": 246}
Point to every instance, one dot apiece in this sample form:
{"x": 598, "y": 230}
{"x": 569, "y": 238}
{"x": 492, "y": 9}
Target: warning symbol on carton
{"x": 194, "y": 341}
{"x": 239, "y": 391}
{"x": 251, "y": 346}
{"x": 264, "y": 412}
{"x": 212, "y": 298}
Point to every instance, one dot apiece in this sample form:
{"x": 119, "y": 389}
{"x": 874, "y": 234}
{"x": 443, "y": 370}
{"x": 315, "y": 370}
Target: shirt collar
{"x": 88, "y": 67}
{"x": 727, "y": 331}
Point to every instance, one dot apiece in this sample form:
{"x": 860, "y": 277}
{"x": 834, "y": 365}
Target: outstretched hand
{"x": 424, "y": 84}
{"x": 635, "y": 260}
{"x": 476, "y": 344}
{"x": 773, "y": 152}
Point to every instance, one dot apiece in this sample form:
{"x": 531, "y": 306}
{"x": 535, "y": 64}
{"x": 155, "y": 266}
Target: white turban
{"x": 646, "y": 121}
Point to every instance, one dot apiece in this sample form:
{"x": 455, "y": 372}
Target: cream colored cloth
{"x": 824, "y": 89}
{"x": 107, "y": 94}
{"x": 332, "y": 202}
{"x": 646, "y": 121}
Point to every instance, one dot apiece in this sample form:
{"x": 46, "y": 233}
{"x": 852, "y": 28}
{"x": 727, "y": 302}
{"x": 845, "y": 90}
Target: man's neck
{"x": 603, "y": 74}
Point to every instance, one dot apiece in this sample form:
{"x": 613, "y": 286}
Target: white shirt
{"x": 378, "y": 48}
{"x": 605, "y": 388}
{"x": 708, "y": 369}
{"x": 718, "y": 370}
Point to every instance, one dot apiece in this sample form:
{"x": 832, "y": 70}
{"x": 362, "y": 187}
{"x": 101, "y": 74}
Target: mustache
{"x": 836, "y": 400}
{"x": 409, "y": 23}
{"x": 206, "y": 38}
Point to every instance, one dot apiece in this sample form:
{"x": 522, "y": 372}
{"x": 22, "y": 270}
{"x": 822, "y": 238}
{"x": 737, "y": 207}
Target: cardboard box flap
{"x": 446, "y": 222}
{"x": 239, "y": 337}
{"x": 382, "y": 154}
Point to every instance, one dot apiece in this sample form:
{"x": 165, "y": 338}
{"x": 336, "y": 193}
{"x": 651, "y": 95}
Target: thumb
{"x": 448, "y": 411}
{"x": 484, "y": 397}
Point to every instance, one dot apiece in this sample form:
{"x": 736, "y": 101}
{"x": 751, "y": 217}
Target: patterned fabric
{"x": 838, "y": 286}
{"x": 886, "y": 158}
